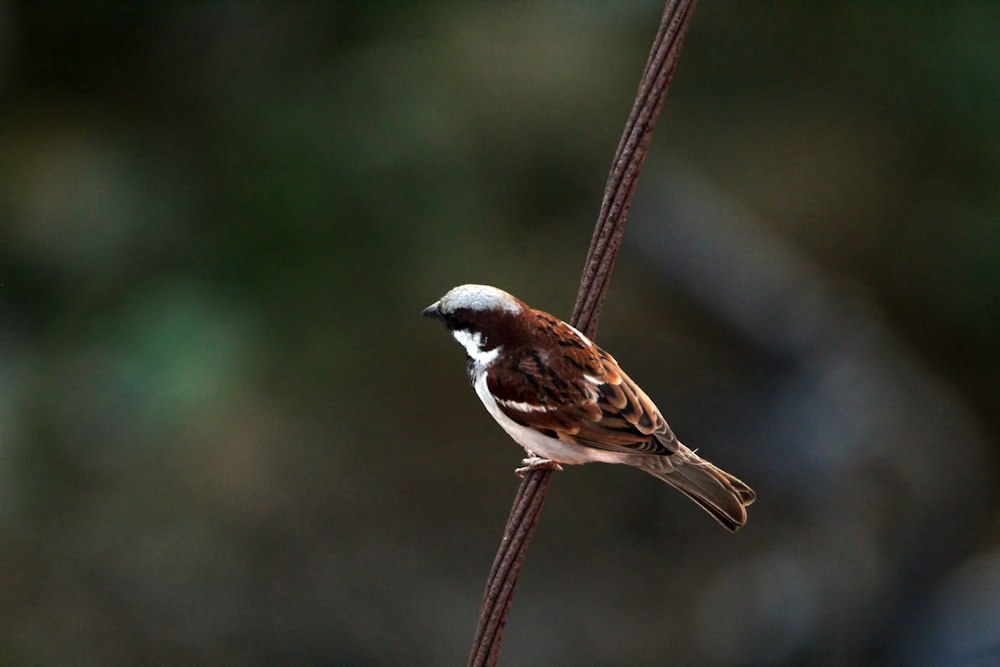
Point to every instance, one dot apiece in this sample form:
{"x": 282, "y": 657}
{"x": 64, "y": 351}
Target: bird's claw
{"x": 534, "y": 462}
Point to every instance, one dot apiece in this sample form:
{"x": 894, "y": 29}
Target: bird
{"x": 567, "y": 401}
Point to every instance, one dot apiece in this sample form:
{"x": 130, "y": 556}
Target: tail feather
{"x": 716, "y": 491}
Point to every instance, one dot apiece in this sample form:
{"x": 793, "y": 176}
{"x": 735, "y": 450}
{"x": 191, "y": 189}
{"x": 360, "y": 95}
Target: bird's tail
{"x": 717, "y": 492}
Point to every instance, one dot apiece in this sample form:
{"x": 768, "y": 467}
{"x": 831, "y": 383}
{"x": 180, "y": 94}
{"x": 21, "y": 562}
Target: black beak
{"x": 433, "y": 310}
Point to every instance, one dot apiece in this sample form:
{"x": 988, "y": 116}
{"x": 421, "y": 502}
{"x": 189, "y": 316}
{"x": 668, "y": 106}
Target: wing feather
{"x": 601, "y": 408}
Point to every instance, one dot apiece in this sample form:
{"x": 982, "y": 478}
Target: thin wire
{"x": 594, "y": 283}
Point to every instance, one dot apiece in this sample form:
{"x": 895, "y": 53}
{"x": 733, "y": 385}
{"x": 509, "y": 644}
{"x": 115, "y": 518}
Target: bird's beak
{"x": 433, "y": 310}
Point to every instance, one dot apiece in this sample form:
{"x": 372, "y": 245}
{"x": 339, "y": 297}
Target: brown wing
{"x": 576, "y": 392}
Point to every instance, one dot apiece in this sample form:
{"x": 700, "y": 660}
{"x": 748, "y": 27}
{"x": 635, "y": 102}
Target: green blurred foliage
{"x": 226, "y": 435}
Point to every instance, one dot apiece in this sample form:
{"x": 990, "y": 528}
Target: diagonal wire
{"x": 600, "y": 261}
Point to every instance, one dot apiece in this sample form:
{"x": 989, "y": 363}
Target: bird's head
{"x": 480, "y": 317}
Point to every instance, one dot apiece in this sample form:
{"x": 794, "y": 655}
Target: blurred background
{"x": 227, "y": 437}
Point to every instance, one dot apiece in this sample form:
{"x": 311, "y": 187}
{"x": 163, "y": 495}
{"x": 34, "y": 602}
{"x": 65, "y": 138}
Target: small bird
{"x": 565, "y": 400}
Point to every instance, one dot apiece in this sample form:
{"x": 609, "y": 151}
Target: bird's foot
{"x": 534, "y": 462}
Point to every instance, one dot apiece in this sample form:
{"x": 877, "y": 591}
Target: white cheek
{"x": 472, "y": 342}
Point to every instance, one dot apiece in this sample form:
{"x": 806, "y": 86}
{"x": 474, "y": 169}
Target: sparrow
{"x": 567, "y": 401}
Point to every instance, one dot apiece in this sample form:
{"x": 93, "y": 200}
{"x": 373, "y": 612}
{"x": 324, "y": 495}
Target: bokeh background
{"x": 227, "y": 437}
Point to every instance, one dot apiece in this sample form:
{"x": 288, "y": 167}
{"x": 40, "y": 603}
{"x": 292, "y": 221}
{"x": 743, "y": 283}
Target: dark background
{"x": 227, "y": 437}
